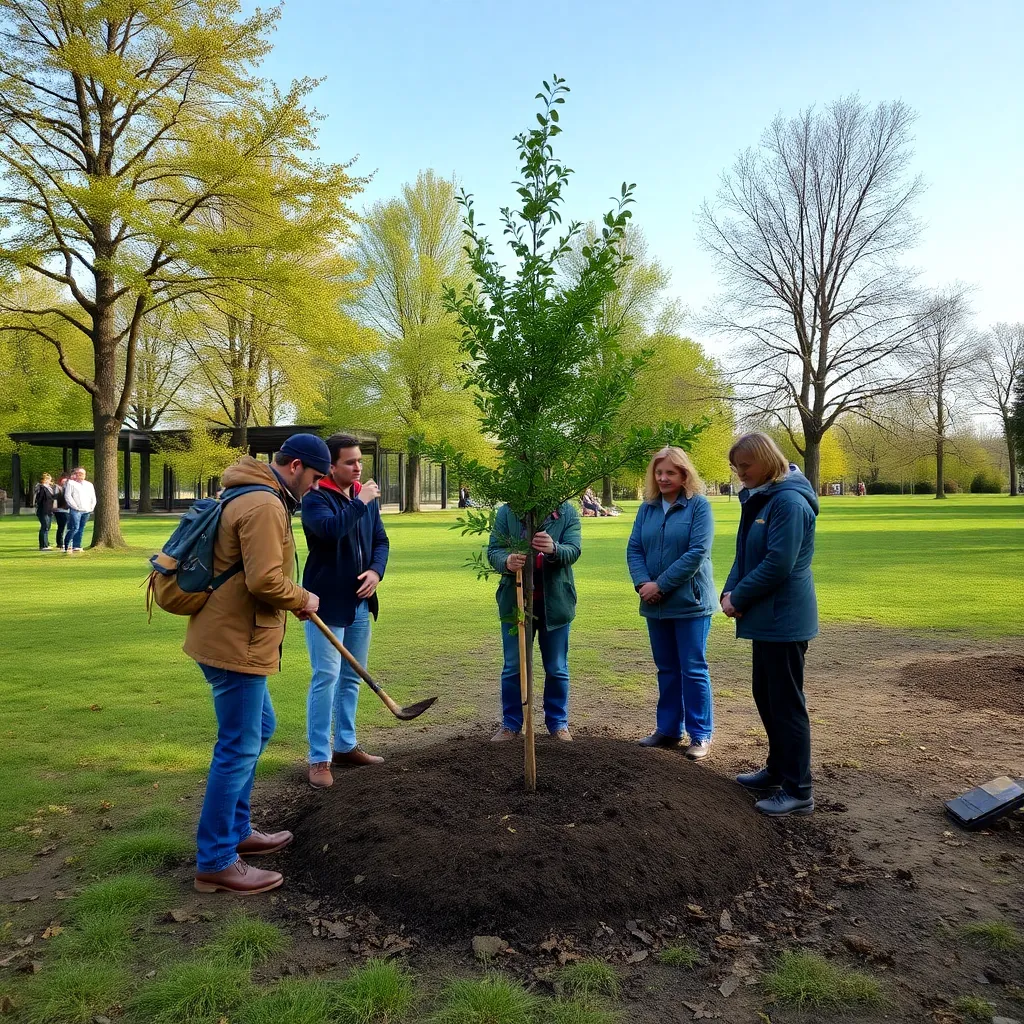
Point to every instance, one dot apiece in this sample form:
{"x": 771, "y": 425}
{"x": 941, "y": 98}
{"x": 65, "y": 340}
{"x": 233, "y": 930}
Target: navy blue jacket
{"x": 771, "y": 582}
{"x": 673, "y": 549}
{"x": 345, "y": 538}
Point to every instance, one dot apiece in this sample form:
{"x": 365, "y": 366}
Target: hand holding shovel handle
{"x": 405, "y": 714}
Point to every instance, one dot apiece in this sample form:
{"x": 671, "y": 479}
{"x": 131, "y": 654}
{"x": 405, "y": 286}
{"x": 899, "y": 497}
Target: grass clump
{"x": 199, "y": 991}
{"x": 808, "y": 981}
{"x": 94, "y": 935}
{"x": 974, "y": 1008}
{"x": 73, "y": 992}
{"x": 157, "y": 818}
{"x": 124, "y": 896}
{"x": 292, "y": 1001}
{"x": 137, "y": 851}
{"x": 379, "y": 993}
{"x": 570, "y": 1011}
{"x": 493, "y": 1000}
{"x": 682, "y": 955}
{"x": 995, "y": 935}
{"x": 249, "y": 940}
{"x": 587, "y": 980}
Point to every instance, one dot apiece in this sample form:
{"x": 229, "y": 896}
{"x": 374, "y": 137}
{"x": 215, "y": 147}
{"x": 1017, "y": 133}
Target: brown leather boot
{"x": 504, "y": 734}
{"x": 238, "y": 878}
{"x": 320, "y": 776}
{"x": 355, "y": 757}
{"x": 564, "y": 735}
{"x": 256, "y": 844}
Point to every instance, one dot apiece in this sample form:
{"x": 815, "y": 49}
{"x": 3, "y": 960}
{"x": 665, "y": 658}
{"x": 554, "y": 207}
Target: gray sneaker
{"x": 698, "y": 749}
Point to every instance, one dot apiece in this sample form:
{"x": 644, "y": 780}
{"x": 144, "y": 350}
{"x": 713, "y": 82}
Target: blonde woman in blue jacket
{"x": 669, "y": 558}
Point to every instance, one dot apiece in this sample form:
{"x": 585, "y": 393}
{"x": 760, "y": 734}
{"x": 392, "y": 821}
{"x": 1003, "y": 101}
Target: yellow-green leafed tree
{"x": 137, "y": 151}
{"x": 410, "y": 385}
{"x": 201, "y": 455}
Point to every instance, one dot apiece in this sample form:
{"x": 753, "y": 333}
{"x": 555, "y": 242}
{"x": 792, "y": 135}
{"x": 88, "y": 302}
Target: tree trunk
{"x": 812, "y": 461}
{"x": 940, "y": 458}
{"x": 529, "y": 748}
{"x": 145, "y": 505}
{"x": 107, "y": 522}
{"x": 413, "y": 466}
{"x": 606, "y": 492}
{"x": 1011, "y": 451}
{"x": 240, "y": 428}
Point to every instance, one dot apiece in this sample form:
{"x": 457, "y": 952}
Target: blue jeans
{"x": 75, "y": 528}
{"x": 684, "y": 683}
{"x": 62, "y": 525}
{"x": 245, "y": 723}
{"x": 554, "y": 652}
{"x": 334, "y": 688}
{"x": 45, "y": 522}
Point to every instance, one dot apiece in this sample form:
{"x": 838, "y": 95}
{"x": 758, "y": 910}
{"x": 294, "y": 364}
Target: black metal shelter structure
{"x": 388, "y": 467}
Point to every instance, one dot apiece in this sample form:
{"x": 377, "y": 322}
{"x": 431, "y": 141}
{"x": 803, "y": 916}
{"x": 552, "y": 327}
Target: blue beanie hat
{"x": 310, "y": 450}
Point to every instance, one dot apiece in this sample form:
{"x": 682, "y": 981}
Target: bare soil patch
{"x": 994, "y": 681}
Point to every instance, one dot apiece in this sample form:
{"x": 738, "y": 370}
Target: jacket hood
{"x": 248, "y": 471}
{"x": 327, "y": 484}
{"x": 796, "y": 481}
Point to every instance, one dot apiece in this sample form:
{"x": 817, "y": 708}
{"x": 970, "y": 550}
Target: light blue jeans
{"x": 245, "y": 723}
{"x": 334, "y": 688}
{"x": 75, "y": 532}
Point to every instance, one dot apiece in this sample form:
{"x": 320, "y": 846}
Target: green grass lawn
{"x": 103, "y": 716}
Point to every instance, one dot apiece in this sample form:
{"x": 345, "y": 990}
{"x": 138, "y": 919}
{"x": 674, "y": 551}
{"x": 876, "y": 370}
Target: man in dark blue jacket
{"x": 348, "y": 552}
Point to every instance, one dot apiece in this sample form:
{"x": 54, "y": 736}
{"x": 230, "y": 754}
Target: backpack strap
{"x": 236, "y": 492}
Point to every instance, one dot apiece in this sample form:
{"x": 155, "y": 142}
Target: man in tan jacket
{"x": 236, "y": 639}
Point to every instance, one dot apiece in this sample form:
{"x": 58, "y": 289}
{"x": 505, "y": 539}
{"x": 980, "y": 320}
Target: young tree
{"x": 946, "y": 351}
{"x": 544, "y": 367}
{"x": 1002, "y": 375}
{"x": 806, "y": 234}
{"x": 137, "y": 145}
{"x": 410, "y": 385}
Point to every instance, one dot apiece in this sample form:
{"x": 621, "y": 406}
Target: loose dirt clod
{"x": 449, "y": 843}
{"x": 993, "y": 681}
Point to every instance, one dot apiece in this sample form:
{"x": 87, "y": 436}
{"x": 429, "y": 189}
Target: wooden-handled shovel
{"x": 405, "y": 714}
{"x": 530, "y": 752}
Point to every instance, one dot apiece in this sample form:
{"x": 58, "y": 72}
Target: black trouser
{"x": 45, "y": 522}
{"x": 62, "y": 522}
{"x": 779, "y": 696}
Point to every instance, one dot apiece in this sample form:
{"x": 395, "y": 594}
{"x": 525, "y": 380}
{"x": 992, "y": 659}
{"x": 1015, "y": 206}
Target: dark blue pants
{"x": 45, "y": 522}
{"x": 554, "y": 652}
{"x": 62, "y": 523}
{"x": 778, "y": 676}
{"x": 245, "y": 723}
{"x": 684, "y": 683}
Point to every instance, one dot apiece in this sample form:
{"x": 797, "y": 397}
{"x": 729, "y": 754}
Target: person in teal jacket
{"x": 770, "y": 594}
{"x": 669, "y": 559}
{"x": 555, "y": 547}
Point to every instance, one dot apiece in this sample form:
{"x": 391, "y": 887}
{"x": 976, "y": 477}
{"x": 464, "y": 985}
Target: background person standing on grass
{"x": 60, "y": 510}
{"x": 45, "y": 502}
{"x": 80, "y": 496}
{"x": 348, "y": 552}
{"x": 555, "y": 548}
{"x": 236, "y": 639}
{"x": 669, "y": 559}
{"x": 770, "y": 593}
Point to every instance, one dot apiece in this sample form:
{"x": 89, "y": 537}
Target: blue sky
{"x": 665, "y": 94}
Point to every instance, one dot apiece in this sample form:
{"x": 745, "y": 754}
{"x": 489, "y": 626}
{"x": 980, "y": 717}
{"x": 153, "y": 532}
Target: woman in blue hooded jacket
{"x": 669, "y": 558}
{"x": 770, "y": 594}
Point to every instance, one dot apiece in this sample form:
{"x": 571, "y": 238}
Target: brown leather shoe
{"x": 354, "y": 758}
{"x": 320, "y": 776}
{"x": 238, "y": 878}
{"x": 504, "y": 734}
{"x": 256, "y": 844}
{"x": 564, "y": 735}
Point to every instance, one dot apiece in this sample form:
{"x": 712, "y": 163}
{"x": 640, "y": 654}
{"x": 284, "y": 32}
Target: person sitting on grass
{"x": 348, "y": 552}
{"x": 770, "y": 594}
{"x": 555, "y": 548}
{"x": 236, "y": 638}
{"x": 669, "y": 559}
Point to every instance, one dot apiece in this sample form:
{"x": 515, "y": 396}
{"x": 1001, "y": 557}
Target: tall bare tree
{"x": 946, "y": 351}
{"x": 1001, "y": 375}
{"x": 807, "y": 233}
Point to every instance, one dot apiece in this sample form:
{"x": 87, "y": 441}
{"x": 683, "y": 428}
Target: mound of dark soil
{"x": 445, "y": 841}
{"x": 995, "y": 681}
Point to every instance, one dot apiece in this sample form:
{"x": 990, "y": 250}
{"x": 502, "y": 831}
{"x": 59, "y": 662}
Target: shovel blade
{"x": 414, "y": 710}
